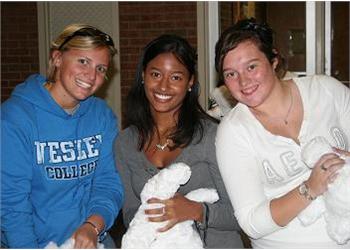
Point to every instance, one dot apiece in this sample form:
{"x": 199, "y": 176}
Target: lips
{"x": 249, "y": 90}
{"x": 83, "y": 84}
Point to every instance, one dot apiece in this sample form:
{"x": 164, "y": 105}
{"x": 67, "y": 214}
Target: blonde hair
{"x": 70, "y": 38}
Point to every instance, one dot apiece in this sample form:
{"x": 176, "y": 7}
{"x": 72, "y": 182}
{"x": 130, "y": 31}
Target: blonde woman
{"x": 57, "y": 168}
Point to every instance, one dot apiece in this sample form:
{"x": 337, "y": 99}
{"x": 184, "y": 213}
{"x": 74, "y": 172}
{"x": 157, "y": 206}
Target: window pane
{"x": 340, "y": 41}
{"x": 287, "y": 19}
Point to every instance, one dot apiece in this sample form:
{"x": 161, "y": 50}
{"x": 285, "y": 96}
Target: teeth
{"x": 83, "y": 84}
{"x": 162, "y": 96}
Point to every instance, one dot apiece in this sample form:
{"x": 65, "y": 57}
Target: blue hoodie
{"x": 56, "y": 169}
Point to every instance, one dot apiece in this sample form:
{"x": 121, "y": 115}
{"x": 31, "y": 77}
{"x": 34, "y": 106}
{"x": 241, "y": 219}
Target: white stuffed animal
{"x": 68, "y": 244}
{"x": 143, "y": 234}
{"x": 334, "y": 204}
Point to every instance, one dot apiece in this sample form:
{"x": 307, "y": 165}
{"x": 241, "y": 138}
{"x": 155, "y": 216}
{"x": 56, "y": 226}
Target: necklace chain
{"x": 290, "y": 106}
{"x": 285, "y": 118}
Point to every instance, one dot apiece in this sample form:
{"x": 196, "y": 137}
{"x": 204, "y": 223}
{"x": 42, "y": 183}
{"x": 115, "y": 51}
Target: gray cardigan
{"x": 222, "y": 229}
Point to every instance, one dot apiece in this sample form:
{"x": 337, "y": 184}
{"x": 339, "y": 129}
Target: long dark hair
{"x": 190, "y": 113}
{"x": 249, "y": 29}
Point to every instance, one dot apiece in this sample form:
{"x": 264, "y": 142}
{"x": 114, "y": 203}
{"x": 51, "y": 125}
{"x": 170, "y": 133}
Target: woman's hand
{"x": 85, "y": 237}
{"x": 175, "y": 210}
{"x": 324, "y": 173}
{"x": 342, "y": 152}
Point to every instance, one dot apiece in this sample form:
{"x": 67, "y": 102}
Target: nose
{"x": 92, "y": 72}
{"x": 163, "y": 83}
{"x": 244, "y": 79}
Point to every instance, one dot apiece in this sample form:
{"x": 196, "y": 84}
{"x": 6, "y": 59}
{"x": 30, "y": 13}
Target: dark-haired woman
{"x": 259, "y": 141}
{"x": 166, "y": 125}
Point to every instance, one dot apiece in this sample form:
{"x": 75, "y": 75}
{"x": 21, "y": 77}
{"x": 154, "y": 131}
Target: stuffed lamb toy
{"x": 334, "y": 204}
{"x": 68, "y": 244}
{"x": 143, "y": 234}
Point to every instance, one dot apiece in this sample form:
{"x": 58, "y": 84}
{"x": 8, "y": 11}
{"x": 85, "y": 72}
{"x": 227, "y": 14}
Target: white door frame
{"x": 207, "y": 35}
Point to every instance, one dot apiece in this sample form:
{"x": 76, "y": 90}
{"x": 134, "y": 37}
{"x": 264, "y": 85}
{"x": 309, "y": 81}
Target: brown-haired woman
{"x": 259, "y": 141}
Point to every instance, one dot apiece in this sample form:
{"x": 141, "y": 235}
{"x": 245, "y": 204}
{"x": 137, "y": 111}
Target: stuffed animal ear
{"x": 314, "y": 149}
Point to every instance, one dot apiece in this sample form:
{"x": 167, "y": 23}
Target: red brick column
{"x": 19, "y": 44}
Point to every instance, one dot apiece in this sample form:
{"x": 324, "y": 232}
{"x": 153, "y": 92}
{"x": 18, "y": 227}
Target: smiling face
{"x": 80, "y": 73}
{"x": 166, "y": 83}
{"x": 248, "y": 74}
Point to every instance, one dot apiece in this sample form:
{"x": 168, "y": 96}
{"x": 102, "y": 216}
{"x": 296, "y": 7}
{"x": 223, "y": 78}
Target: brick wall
{"x": 140, "y": 22}
{"x": 19, "y": 44}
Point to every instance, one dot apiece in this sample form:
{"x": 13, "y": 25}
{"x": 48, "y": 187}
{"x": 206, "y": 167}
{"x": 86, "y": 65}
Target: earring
{"x": 190, "y": 89}
{"x": 142, "y": 82}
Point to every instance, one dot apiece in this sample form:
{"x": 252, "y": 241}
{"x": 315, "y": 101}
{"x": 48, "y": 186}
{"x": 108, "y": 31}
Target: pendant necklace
{"x": 285, "y": 118}
{"x": 290, "y": 106}
{"x": 162, "y": 147}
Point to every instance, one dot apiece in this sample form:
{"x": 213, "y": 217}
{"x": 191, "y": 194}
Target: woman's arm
{"x": 287, "y": 207}
{"x": 340, "y": 94}
{"x": 257, "y": 214}
{"x": 131, "y": 203}
{"x": 107, "y": 192}
{"x": 220, "y": 215}
{"x": 243, "y": 182}
{"x": 16, "y": 180}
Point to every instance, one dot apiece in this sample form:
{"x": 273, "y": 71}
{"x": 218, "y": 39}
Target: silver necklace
{"x": 162, "y": 147}
{"x": 290, "y": 106}
{"x": 285, "y": 119}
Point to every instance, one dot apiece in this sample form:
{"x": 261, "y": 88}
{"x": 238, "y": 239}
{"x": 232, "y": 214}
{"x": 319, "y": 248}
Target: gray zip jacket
{"x": 221, "y": 229}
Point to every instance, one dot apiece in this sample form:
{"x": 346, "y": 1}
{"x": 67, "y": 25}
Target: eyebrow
{"x": 247, "y": 62}
{"x": 176, "y": 72}
{"x": 252, "y": 60}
